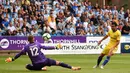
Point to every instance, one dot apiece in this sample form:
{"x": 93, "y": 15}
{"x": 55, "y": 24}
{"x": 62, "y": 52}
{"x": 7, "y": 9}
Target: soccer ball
{"x": 46, "y": 36}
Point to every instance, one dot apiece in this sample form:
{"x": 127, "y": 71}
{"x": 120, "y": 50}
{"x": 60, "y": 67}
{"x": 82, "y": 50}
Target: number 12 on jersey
{"x": 34, "y": 51}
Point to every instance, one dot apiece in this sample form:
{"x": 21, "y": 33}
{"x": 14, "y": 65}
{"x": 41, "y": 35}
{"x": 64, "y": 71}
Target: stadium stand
{"x": 60, "y": 18}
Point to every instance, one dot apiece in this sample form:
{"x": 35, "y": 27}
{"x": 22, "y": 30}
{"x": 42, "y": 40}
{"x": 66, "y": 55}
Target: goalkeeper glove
{"x": 58, "y": 46}
{"x": 9, "y": 60}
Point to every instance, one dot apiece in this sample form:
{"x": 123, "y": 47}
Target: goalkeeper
{"x": 38, "y": 59}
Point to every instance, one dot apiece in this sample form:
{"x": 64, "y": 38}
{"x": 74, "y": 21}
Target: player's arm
{"x": 16, "y": 56}
{"x": 19, "y": 54}
{"x": 58, "y": 46}
{"x": 48, "y": 47}
{"x": 102, "y": 39}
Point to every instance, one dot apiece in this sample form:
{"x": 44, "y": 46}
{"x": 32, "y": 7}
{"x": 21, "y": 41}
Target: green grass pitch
{"x": 118, "y": 64}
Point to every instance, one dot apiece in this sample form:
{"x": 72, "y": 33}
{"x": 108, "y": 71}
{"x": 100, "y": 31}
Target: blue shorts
{"x": 39, "y": 66}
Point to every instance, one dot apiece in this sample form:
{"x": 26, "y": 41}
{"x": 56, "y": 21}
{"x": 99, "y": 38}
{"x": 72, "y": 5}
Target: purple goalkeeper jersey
{"x": 34, "y": 52}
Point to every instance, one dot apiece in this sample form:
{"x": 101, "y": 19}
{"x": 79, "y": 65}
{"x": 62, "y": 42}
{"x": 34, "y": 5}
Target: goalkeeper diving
{"x": 38, "y": 59}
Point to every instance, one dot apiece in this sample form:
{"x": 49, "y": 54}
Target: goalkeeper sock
{"x": 65, "y": 65}
{"x": 99, "y": 60}
{"x": 106, "y": 61}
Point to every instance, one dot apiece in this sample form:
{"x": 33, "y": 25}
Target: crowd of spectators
{"x": 60, "y": 17}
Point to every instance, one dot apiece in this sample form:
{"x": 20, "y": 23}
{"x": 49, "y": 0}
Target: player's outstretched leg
{"x": 67, "y": 66}
{"x": 99, "y": 60}
{"x": 32, "y": 67}
{"x": 51, "y": 62}
{"x": 105, "y": 62}
{"x": 29, "y": 66}
{"x": 76, "y": 68}
{"x": 44, "y": 69}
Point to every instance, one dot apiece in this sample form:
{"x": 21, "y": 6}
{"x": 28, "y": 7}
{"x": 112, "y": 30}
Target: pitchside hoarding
{"x": 70, "y": 45}
{"x": 75, "y": 48}
{"x": 17, "y": 43}
{"x": 14, "y": 43}
{"x": 94, "y": 40}
{"x": 125, "y": 45}
{"x": 69, "y": 39}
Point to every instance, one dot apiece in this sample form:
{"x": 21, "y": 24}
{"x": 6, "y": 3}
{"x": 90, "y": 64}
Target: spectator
{"x": 83, "y": 17}
{"x": 11, "y": 27}
{"x": 86, "y": 3}
{"x": 60, "y": 16}
{"x": 1, "y": 21}
{"x": 108, "y": 25}
{"x": 101, "y": 31}
{"x": 40, "y": 22}
{"x": 96, "y": 33}
{"x": 20, "y": 33}
{"x": 52, "y": 23}
{"x": 34, "y": 32}
{"x": 55, "y": 2}
{"x": 17, "y": 26}
{"x": 88, "y": 30}
{"x": 114, "y": 10}
{"x": 33, "y": 20}
{"x": 79, "y": 11}
{"x": 105, "y": 28}
{"x": 47, "y": 27}
{"x": 115, "y": 19}
{"x": 80, "y": 29}
{"x": 74, "y": 8}
{"x": 14, "y": 33}
{"x": 46, "y": 15}
{"x": 126, "y": 29}
{"x": 25, "y": 32}
{"x": 5, "y": 23}
{"x": 72, "y": 30}
{"x": 127, "y": 13}
{"x": 60, "y": 27}
{"x": 120, "y": 24}
{"x": 72, "y": 20}
{"x": 8, "y": 33}
{"x": 94, "y": 20}
{"x": 96, "y": 6}
{"x": 89, "y": 33}
{"x": 121, "y": 13}
{"x": 25, "y": 26}
{"x": 66, "y": 30}
{"x": 89, "y": 5}
{"x": 53, "y": 33}
{"x": 128, "y": 17}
